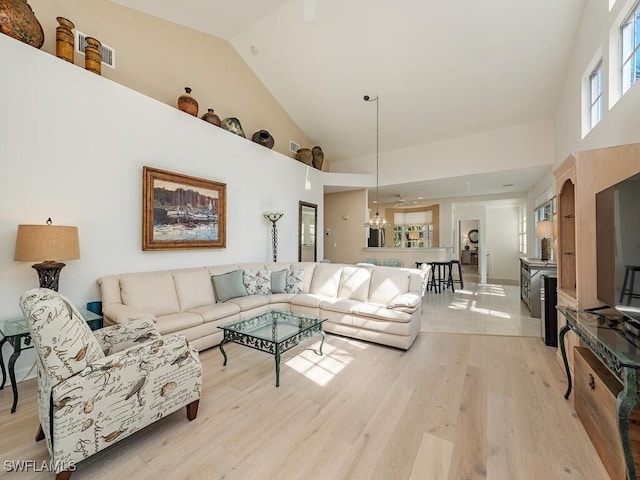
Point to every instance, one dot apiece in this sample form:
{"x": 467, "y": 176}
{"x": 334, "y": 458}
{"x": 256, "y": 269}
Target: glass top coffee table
{"x": 273, "y": 332}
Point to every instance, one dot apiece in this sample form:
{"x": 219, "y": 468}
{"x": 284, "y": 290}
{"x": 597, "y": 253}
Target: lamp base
{"x": 544, "y": 249}
{"x": 48, "y": 274}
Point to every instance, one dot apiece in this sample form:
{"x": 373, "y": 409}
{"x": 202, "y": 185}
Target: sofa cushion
{"x": 216, "y": 311}
{"x": 380, "y": 312}
{"x": 155, "y": 293}
{"x": 279, "y": 281}
{"x": 340, "y": 305}
{"x": 307, "y": 300}
{"x": 354, "y": 283}
{"x": 177, "y": 322}
{"x": 250, "y": 301}
{"x": 280, "y": 297}
{"x": 295, "y": 281}
{"x": 257, "y": 281}
{"x": 308, "y": 268}
{"x": 407, "y": 302}
{"x": 229, "y": 285}
{"x": 194, "y": 288}
{"x": 387, "y": 283}
{"x": 326, "y": 279}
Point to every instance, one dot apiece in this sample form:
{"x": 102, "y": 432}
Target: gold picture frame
{"x": 182, "y": 212}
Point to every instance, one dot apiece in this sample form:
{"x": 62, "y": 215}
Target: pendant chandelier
{"x": 376, "y": 222}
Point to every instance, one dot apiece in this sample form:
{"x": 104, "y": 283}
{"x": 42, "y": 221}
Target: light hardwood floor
{"x": 455, "y": 406}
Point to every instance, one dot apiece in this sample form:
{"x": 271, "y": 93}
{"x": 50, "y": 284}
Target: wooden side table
{"x": 15, "y": 332}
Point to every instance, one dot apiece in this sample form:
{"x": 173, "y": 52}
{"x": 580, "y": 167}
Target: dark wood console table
{"x": 611, "y": 339}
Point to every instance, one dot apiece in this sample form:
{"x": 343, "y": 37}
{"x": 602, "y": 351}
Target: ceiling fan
{"x": 398, "y": 202}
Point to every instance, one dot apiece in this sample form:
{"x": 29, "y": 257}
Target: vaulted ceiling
{"x": 441, "y": 69}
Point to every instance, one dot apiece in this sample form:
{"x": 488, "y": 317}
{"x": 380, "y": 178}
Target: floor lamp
{"x": 47, "y": 244}
{"x": 273, "y": 217}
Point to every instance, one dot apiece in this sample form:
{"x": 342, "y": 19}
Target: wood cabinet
{"x": 531, "y": 271}
{"x": 596, "y": 391}
{"x": 578, "y": 179}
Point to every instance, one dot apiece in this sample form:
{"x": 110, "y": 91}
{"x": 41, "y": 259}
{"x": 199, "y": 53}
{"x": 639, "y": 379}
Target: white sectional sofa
{"x": 377, "y": 304}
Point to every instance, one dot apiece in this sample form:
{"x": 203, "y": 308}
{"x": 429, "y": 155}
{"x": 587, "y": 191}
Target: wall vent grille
{"x": 293, "y": 146}
{"x": 107, "y": 53}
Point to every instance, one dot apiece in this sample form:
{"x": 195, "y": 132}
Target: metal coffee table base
{"x": 275, "y": 348}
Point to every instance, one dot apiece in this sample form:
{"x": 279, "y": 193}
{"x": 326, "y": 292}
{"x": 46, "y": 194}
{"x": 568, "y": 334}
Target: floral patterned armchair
{"x": 96, "y": 388}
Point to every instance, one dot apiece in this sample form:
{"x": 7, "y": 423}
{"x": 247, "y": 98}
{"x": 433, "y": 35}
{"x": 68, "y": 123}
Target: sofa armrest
{"x": 116, "y": 338}
{"x": 115, "y": 313}
{"x": 129, "y": 364}
{"x": 405, "y": 302}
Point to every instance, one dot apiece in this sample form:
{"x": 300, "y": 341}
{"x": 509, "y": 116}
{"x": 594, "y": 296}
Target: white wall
{"x": 517, "y": 146}
{"x": 72, "y": 147}
{"x": 620, "y": 123}
{"x": 502, "y": 237}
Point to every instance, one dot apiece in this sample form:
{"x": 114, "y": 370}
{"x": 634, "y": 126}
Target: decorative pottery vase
{"x": 263, "y": 138}
{"x": 304, "y": 155}
{"x": 318, "y": 157}
{"x": 187, "y": 103}
{"x": 92, "y": 56}
{"x": 18, "y": 21}
{"x": 211, "y": 117}
{"x": 65, "y": 39}
{"x": 232, "y": 125}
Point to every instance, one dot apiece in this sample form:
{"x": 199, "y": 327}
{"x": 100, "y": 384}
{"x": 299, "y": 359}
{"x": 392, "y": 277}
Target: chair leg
{"x": 40, "y": 434}
{"x": 192, "y": 409}
{"x": 64, "y": 475}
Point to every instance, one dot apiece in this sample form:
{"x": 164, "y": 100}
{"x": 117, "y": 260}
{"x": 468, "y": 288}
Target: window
{"x": 413, "y": 229}
{"x": 412, "y": 236}
{"x": 522, "y": 231}
{"x": 595, "y": 95}
{"x": 630, "y": 40}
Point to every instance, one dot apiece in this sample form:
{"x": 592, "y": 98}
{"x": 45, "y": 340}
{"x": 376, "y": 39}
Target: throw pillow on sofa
{"x": 257, "y": 282}
{"x": 279, "y": 281}
{"x": 295, "y": 281}
{"x": 228, "y": 285}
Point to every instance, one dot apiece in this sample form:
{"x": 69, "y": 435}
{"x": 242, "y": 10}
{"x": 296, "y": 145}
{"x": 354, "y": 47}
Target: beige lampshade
{"x": 36, "y": 243}
{"x": 414, "y": 235}
{"x": 544, "y": 229}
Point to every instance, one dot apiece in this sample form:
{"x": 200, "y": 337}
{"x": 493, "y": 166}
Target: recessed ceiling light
{"x": 420, "y": 198}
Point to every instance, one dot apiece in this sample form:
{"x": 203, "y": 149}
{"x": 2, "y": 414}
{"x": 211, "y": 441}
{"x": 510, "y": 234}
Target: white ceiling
{"x": 441, "y": 69}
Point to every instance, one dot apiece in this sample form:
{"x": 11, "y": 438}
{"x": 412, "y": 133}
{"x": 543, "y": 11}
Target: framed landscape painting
{"x": 181, "y": 212}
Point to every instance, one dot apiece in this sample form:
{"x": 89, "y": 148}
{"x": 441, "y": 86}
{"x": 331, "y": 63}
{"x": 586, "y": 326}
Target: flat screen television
{"x": 618, "y": 246}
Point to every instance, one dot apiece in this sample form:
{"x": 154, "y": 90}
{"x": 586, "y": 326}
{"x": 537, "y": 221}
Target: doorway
{"x": 469, "y": 231}
{"x": 307, "y": 231}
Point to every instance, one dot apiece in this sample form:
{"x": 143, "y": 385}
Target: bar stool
{"x": 459, "y": 280}
{"x": 628, "y": 292}
{"x": 440, "y": 275}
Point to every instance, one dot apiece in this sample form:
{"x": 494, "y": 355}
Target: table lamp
{"x": 47, "y": 244}
{"x": 544, "y": 231}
